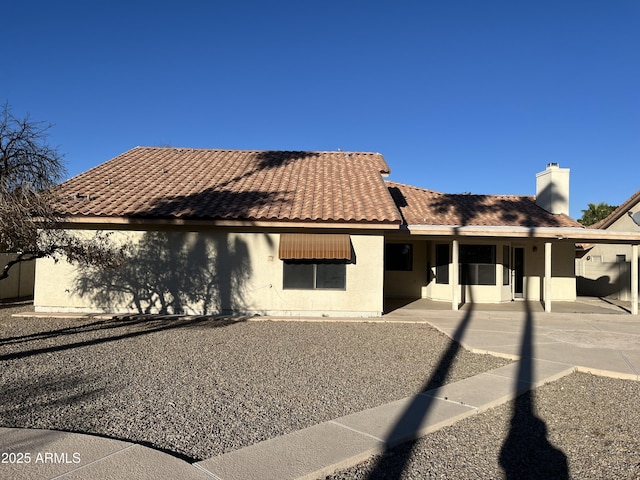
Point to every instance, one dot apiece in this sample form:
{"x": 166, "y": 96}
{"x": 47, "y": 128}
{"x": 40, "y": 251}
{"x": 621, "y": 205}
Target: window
{"x": 315, "y": 261}
{"x": 314, "y": 274}
{"x": 506, "y": 265}
{"x": 478, "y": 264}
{"x": 398, "y": 256}
{"x": 442, "y": 263}
{"x": 621, "y": 258}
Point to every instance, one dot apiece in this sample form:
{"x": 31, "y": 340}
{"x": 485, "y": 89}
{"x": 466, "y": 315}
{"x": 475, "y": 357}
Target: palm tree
{"x": 596, "y": 212}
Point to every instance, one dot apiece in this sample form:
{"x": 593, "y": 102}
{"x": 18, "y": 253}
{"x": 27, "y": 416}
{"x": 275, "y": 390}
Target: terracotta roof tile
{"x": 427, "y": 207}
{"x": 175, "y": 183}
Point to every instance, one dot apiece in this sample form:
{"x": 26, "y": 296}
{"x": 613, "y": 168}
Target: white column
{"x": 547, "y": 277}
{"x": 455, "y": 298}
{"x": 634, "y": 279}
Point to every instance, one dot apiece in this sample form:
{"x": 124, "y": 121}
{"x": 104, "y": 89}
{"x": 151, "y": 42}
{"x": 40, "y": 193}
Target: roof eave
{"x": 93, "y": 221}
{"x": 576, "y": 234}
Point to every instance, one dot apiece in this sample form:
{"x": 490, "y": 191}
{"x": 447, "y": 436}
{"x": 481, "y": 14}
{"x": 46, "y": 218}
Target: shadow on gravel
{"x": 19, "y": 401}
{"x": 526, "y": 452}
{"x": 117, "y": 328}
{"x": 394, "y": 459}
{"x": 56, "y": 393}
{"x": 15, "y": 303}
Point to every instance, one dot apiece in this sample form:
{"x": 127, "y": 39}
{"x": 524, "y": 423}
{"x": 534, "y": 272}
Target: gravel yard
{"x": 579, "y": 427}
{"x": 202, "y": 387}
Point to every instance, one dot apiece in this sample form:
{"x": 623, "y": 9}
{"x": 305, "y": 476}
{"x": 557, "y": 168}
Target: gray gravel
{"x": 581, "y": 426}
{"x": 202, "y": 387}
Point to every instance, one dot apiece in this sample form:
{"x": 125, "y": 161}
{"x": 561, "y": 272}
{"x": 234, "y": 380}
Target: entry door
{"x": 518, "y": 272}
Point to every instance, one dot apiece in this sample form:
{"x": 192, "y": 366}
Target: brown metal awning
{"x": 306, "y": 246}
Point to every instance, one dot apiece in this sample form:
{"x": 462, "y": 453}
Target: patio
{"x": 396, "y": 306}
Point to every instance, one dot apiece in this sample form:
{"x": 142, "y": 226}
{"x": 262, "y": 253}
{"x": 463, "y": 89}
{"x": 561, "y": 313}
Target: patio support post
{"x": 634, "y": 279}
{"x": 547, "y": 277}
{"x": 455, "y": 300}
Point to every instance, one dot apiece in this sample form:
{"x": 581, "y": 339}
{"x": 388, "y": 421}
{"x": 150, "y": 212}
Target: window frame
{"x": 472, "y": 272}
{"x": 443, "y": 260}
{"x": 313, "y": 281}
{"x": 506, "y": 265}
{"x": 396, "y": 261}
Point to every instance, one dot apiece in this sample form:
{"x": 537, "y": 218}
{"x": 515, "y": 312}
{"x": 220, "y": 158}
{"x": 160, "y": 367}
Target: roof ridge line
{"x": 250, "y": 150}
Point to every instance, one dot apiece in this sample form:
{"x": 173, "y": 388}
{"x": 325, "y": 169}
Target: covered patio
{"x": 582, "y": 305}
{"x": 466, "y": 249}
{"x": 549, "y": 279}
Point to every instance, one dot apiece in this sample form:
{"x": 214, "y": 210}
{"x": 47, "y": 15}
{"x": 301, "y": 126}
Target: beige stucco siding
{"x": 408, "y": 284}
{"x": 363, "y": 295}
{"x": 563, "y": 280}
{"x": 605, "y": 269}
{"x": 208, "y": 272}
{"x": 562, "y": 270}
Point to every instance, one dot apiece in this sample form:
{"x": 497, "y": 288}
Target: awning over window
{"x": 305, "y": 246}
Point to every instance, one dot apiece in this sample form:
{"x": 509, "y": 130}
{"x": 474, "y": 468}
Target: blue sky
{"x": 459, "y": 96}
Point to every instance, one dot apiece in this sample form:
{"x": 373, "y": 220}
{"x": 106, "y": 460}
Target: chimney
{"x": 552, "y": 189}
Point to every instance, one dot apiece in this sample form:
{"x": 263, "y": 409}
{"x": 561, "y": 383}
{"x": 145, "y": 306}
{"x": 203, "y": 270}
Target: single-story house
{"x": 604, "y": 270}
{"x": 305, "y": 233}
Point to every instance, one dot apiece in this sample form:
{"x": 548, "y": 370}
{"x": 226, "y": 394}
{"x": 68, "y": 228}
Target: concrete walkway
{"x": 597, "y": 338}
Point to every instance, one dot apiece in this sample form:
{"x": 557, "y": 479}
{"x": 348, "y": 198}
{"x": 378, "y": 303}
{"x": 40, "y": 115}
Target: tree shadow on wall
{"x": 173, "y": 273}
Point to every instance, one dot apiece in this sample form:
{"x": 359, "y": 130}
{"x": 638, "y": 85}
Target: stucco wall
{"x": 600, "y": 272}
{"x": 562, "y": 271}
{"x": 408, "y": 284}
{"x": 209, "y": 272}
{"x": 563, "y": 281}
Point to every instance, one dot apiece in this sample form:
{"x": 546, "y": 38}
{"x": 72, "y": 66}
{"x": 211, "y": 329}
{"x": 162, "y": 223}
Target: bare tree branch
{"x": 30, "y": 227}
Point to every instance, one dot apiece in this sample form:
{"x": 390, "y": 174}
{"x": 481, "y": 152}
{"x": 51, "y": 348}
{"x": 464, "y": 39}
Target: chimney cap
{"x": 553, "y": 165}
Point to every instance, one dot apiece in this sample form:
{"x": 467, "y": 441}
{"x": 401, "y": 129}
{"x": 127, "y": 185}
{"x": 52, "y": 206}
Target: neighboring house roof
{"x": 203, "y": 184}
{"x": 420, "y": 206}
{"x": 618, "y": 212}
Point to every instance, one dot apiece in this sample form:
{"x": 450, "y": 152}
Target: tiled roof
{"x": 184, "y": 183}
{"x": 618, "y": 212}
{"x": 420, "y": 206}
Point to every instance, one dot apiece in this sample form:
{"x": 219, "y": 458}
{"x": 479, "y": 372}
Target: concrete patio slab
{"x": 582, "y": 305}
{"x": 542, "y": 371}
{"x": 596, "y": 358}
{"x": 48, "y": 454}
{"x": 485, "y": 340}
{"x": 74, "y": 450}
{"x": 490, "y": 389}
{"x": 406, "y": 419}
{"x": 480, "y": 392}
{"x": 297, "y": 455}
{"x": 602, "y": 344}
{"x": 138, "y": 462}
{"x": 632, "y": 358}
{"x": 629, "y": 326}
